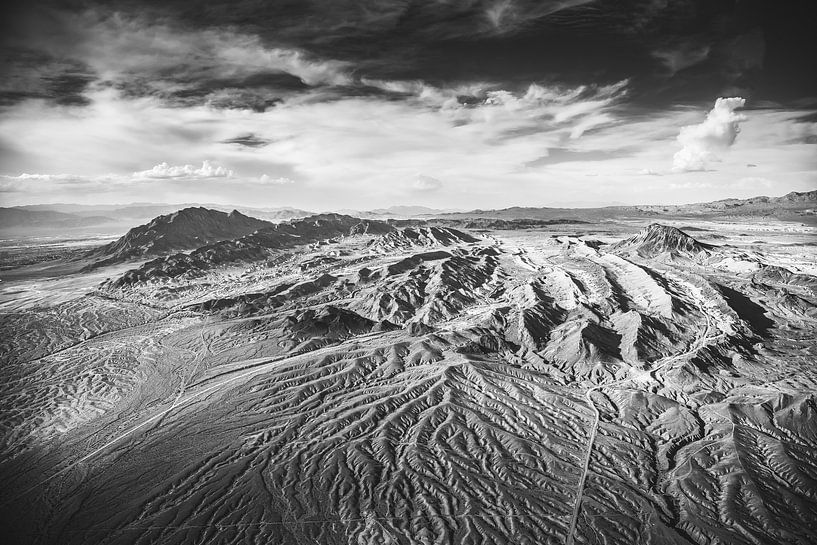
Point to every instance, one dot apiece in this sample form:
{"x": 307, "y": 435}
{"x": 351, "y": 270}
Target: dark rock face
{"x": 183, "y": 230}
{"x": 256, "y": 246}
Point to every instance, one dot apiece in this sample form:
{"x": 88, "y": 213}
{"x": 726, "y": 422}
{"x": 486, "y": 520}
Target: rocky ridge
{"x": 184, "y": 229}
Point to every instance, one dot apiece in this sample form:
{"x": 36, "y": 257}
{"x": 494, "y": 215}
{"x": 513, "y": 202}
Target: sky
{"x": 330, "y": 104}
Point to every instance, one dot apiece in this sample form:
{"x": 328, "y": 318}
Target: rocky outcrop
{"x": 657, "y": 239}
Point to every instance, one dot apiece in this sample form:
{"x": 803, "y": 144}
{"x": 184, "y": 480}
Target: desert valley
{"x": 602, "y": 376}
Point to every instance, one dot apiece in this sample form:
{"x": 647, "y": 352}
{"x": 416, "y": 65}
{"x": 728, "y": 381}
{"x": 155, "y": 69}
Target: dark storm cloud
{"x": 142, "y": 55}
{"x": 30, "y": 74}
{"x": 183, "y": 50}
{"x": 238, "y": 99}
{"x": 807, "y": 118}
{"x": 248, "y": 140}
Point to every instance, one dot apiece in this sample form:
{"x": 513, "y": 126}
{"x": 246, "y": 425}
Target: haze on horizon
{"x": 371, "y": 103}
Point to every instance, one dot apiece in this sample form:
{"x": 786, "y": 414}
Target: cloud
{"x": 247, "y": 140}
{"x": 512, "y": 16}
{"x": 265, "y": 179}
{"x": 684, "y": 56}
{"x": 29, "y": 74}
{"x": 45, "y": 177}
{"x": 702, "y": 143}
{"x": 649, "y": 172}
{"x": 232, "y": 67}
{"x": 160, "y": 172}
{"x": 365, "y": 151}
{"x": 145, "y": 56}
{"x": 753, "y": 185}
{"x": 439, "y": 97}
{"x": 155, "y": 184}
{"x": 498, "y": 11}
{"x": 425, "y": 183}
{"x": 188, "y": 172}
{"x": 50, "y": 185}
{"x": 564, "y": 155}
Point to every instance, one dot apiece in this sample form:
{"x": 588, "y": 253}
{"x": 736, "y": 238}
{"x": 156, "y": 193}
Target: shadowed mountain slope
{"x": 183, "y": 230}
{"x": 256, "y": 246}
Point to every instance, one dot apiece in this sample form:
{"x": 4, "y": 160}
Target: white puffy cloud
{"x": 67, "y": 178}
{"x": 190, "y": 172}
{"x": 703, "y": 142}
{"x": 163, "y": 173}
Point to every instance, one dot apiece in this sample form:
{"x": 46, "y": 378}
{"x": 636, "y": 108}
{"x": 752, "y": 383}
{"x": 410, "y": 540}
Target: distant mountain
{"x": 510, "y": 224}
{"x": 409, "y": 211}
{"x": 276, "y": 214}
{"x": 121, "y": 212}
{"x": 755, "y": 206}
{"x": 256, "y": 246}
{"x": 396, "y": 212}
{"x": 66, "y": 208}
{"x": 559, "y": 215}
{"x": 146, "y": 211}
{"x": 657, "y": 239}
{"x": 791, "y": 207}
{"x": 22, "y": 219}
{"x": 182, "y": 230}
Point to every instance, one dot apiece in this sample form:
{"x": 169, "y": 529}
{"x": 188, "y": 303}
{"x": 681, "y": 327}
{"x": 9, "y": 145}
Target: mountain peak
{"x": 658, "y": 238}
{"x": 236, "y": 214}
{"x": 184, "y": 229}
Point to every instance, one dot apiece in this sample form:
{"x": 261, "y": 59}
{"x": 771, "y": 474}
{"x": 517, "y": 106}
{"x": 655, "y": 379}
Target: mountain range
{"x": 338, "y": 380}
{"x": 55, "y": 218}
{"x": 186, "y": 229}
{"x": 795, "y": 206}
